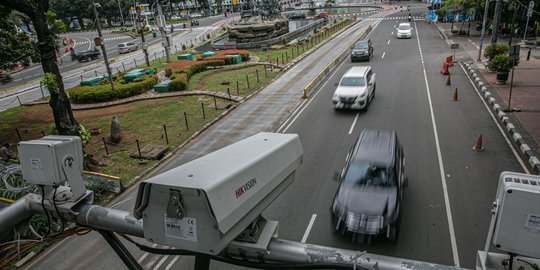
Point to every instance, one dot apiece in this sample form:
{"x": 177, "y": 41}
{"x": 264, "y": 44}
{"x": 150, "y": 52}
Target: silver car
{"x": 356, "y": 89}
{"x": 127, "y": 47}
{"x": 404, "y": 30}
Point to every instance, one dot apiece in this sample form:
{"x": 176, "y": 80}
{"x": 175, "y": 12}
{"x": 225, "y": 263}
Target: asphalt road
{"x": 451, "y": 187}
{"x": 26, "y": 83}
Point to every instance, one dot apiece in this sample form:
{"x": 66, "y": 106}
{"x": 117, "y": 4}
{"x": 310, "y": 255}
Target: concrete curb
{"x": 510, "y": 128}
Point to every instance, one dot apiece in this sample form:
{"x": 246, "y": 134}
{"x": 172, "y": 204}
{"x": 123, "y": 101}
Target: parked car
{"x": 321, "y": 15}
{"x": 362, "y": 50}
{"x": 356, "y": 89}
{"x": 404, "y": 30}
{"x": 368, "y": 200}
{"x": 87, "y": 55}
{"x": 296, "y": 16}
{"x": 195, "y": 15}
{"x": 127, "y": 47}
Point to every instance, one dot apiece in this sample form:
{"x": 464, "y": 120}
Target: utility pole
{"x": 496, "y": 19}
{"x": 165, "y": 39}
{"x": 484, "y": 20}
{"x": 121, "y": 15}
{"x": 102, "y": 46}
{"x": 143, "y": 45}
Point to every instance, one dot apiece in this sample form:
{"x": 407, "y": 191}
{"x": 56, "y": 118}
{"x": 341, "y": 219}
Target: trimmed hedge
{"x": 178, "y": 84}
{"x": 103, "y": 93}
{"x": 243, "y": 53}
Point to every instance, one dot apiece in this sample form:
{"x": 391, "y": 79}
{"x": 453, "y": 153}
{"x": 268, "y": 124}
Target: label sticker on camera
{"x": 185, "y": 229}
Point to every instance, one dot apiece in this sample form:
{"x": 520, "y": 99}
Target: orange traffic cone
{"x": 448, "y": 80}
{"x": 478, "y": 146}
{"x": 455, "y": 96}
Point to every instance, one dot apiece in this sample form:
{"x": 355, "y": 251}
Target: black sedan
{"x": 87, "y": 55}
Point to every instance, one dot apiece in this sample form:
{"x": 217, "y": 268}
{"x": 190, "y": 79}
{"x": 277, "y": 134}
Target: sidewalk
{"x": 526, "y": 83}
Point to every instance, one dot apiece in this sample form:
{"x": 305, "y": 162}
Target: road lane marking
{"x": 384, "y": 53}
{"x": 308, "y": 229}
{"x": 498, "y": 124}
{"x": 439, "y": 156}
{"x": 158, "y": 265}
{"x": 388, "y": 42}
{"x": 392, "y": 33}
{"x": 145, "y": 255}
{"x": 354, "y": 123}
{"x": 172, "y": 262}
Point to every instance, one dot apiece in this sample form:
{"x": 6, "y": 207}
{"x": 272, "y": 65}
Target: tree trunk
{"x": 64, "y": 120}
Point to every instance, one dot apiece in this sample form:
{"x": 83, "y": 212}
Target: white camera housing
{"x": 204, "y": 204}
{"x": 518, "y": 223}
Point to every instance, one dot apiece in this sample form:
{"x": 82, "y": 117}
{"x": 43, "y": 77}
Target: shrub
{"x": 495, "y": 49}
{"x": 500, "y": 63}
{"x": 178, "y": 84}
{"x": 102, "y": 93}
{"x": 243, "y": 53}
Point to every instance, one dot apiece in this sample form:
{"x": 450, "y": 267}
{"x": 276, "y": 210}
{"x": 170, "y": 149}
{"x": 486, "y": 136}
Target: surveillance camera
{"x": 204, "y": 204}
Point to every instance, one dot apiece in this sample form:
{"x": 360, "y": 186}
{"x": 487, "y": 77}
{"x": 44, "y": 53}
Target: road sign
{"x": 531, "y": 8}
{"x": 454, "y": 46}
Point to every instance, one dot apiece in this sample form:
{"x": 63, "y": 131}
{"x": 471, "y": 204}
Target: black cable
{"x": 45, "y": 210}
{"x": 255, "y": 265}
{"x": 58, "y": 212}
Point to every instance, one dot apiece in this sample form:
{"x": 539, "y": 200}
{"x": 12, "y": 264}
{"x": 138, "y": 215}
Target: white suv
{"x": 127, "y": 47}
{"x": 404, "y": 30}
{"x": 356, "y": 89}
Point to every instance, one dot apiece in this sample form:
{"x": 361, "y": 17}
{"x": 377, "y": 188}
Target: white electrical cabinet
{"x": 42, "y": 159}
{"x": 518, "y": 223}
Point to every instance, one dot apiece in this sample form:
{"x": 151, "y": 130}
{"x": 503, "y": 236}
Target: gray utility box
{"x": 518, "y": 223}
{"x": 41, "y": 160}
{"x": 204, "y": 204}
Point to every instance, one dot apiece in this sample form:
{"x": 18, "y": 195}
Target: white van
{"x": 356, "y": 89}
{"x": 127, "y": 47}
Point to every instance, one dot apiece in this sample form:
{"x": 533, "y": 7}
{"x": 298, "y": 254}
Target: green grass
{"x": 215, "y": 77}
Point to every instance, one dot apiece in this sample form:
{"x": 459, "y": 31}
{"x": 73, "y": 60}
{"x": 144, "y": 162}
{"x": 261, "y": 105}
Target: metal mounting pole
{"x": 103, "y": 46}
{"x": 120, "y": 250}
{"x": 164, "y": 37}
{"x": 496, "y": 21}
{"x": 484, "y": 21}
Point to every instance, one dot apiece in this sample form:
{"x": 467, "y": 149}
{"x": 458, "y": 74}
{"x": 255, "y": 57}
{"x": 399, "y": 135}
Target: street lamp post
{"x": 103, "y": 46}
{"x": 484, "y": 21}
{"x": 121, "y": 15}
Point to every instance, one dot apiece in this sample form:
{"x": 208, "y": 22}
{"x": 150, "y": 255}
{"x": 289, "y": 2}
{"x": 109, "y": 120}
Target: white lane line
{"x": 172, "y": 262}
{"x": 308, "y": 229}
{"x": 160, "y": 262}
{"x": 525, "y": 169}
{"x": 383, "y": 54}
{"x": 388, "y": 42}
{"x": 439, "y": 156}
{"x": 145, "y": 255}
{"x": 392, "y": 33}
{"x": 353, "y": 123}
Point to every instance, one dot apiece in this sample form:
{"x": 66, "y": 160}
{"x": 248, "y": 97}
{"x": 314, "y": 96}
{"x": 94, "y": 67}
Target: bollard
{"x": 185, "y": 120}
{"x": 257, "y": 74}
{"x": 529, "y": 54}
{"x": 203, "y": 113}
{"x": 139, "y": 149}
{"x": 95, "y": 72}
{"x": 18, "y": 134}
{"x": 229, "y": 93}
{"x": 215, "y": 103}
{"x": 20, "y": 103}
{"x": 105, "y": 145}
{"x": 166, "y": 136}
{"x": 124, "y": 67}
{"x": 247, "y": 80}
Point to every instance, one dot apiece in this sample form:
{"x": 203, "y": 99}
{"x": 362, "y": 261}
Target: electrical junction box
{"x": 518, "y": 220}
{"x": 204, "y": 204}
{"x": 41, "y": 160}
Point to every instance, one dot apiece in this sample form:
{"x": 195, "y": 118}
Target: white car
{"x": 404, "y": 30}
{"x": 127, "y": 47}
{"x": 356, "y": 89}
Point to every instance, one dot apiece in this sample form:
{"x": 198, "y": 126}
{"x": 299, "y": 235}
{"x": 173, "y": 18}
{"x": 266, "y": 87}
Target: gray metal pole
{"x": 496, "y": 19}
{"x": 121, "y": 15}
{"x": 164, "y": 38}
{"x": 103, "y": 46}
{"x": 486, "y": 9}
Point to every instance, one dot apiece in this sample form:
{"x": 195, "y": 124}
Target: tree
{"x": 15, "y": 47}
{"x": 36, "y": 10}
